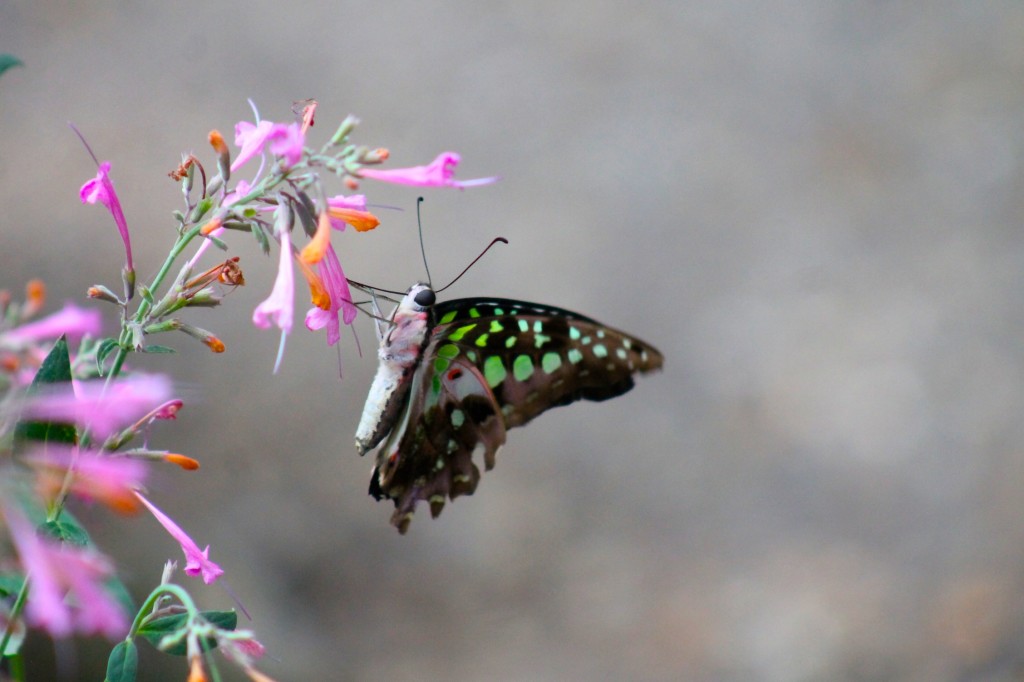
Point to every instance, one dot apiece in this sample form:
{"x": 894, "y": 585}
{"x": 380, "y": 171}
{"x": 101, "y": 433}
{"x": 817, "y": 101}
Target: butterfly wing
{"x": 490, "y": 365}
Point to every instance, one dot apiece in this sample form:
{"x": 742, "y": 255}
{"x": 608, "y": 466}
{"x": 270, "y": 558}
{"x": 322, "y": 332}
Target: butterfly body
{"x": 455, "y": 376}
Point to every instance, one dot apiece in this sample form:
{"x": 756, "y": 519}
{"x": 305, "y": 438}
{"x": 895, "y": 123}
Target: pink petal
{"x": 439, "y": 173}
{"x": 104, "y": 410}
{"x": 197, "y": 560}
{"x": 280, "y": 305}
{"x": 287, "y": 142}
{"x": 71, "y": 320}
{"x": 101, "y": 189}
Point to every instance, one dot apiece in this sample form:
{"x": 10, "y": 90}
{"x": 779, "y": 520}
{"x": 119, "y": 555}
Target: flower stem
{"x": 15, "y": 614}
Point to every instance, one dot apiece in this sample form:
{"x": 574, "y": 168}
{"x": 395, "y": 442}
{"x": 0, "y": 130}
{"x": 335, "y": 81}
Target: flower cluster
{"x": 73, "y": 413}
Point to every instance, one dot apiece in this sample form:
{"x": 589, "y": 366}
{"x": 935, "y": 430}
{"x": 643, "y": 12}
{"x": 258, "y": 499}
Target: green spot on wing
{"x": 575, "y": 355}
{"x": 494, "y": 371}
{"x": 461, "y": 331}
{"x": 448, "y": 316}
{"x": 510, "y": 341}
{"x": 481, "y": 340}
{"x": 524, "y": 326}
{"x": 600, "y": 351}
{"x": 448, "y": 351}
{"x": 522, "y": 367}
{"x": 540, "y": 339}
{"x": 473, "y": 312}
{"x": 496, "y": 326}
{"x": 458, "y": 418}
{"x": 574, "y": 333}
{"x": 550, "y": 362}
{"x": 440, "y": 365}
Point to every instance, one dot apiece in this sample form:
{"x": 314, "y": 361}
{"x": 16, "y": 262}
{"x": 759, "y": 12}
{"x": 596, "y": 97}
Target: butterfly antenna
{"x": 466, "y": 269}
{"x": 423, "y": 250}
{"x": 369, "y": 289}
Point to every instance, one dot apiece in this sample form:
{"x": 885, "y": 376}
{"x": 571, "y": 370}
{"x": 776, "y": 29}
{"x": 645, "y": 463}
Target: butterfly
{"x": 454, "y": 376}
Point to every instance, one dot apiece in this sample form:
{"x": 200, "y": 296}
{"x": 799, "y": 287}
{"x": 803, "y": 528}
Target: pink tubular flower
{"x": 57, "y": 570}
{"x": 71, "y": 320}
{"x": 280, "y": 305}
{"x": 439, "y": 173}
{"x": 352, "y": 211}
{"x": 286, "y": 141}
{"x": 110, "y": 480}
{"x": 197, "y": 561}
{"x": 101, "y": 189}
{"x": 341, "y": 299}
{"x": 250, "y": 139}
{"x": 102, "y": 409}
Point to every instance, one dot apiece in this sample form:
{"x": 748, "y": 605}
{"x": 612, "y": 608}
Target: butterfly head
{"x": 420, "y": 297}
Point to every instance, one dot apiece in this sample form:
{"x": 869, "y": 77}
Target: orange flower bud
{"x": 210, "y": 226}
{"x": 217, "y": 142}
{"x": 196, "y": 672}
{"x": 215, "y": 344}
{"x": 35, "y": 291}
{"x": 185, "y": 462}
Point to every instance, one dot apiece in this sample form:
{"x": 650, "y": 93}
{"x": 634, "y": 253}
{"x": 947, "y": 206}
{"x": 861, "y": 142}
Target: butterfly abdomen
{"x": 398, "y": 355}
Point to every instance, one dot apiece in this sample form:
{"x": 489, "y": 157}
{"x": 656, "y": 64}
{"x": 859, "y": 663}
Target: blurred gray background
{"x": 812, "y": 208}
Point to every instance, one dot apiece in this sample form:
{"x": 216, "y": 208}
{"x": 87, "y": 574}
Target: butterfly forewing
{"x": 489, "y": 365}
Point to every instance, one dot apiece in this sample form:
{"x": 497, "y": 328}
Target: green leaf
{"x": 106, "y": 347}
{"x": 8, "y": 61}
{"x": 10, "y": 584}
{"x": 261, "y": 239}
{"x": 56, "y": 369}
{"x": 154, "y": 631}
{"x": 66, "y": 529}
{"x": 123, "y": 663}
{"x": 306, "y": 210}
{"x": 158, "y": 349}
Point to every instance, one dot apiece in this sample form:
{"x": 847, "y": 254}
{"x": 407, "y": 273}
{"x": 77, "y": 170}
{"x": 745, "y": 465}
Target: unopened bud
{"x": 376, "y": 155}
{"x": 343, "y": 131}
{"x": 186, "y": 463}
{"x": 211, "y": 341}
{"x": 351, "y": 182}
{"x": 35, "y": 297}
{"x": 223, "y": 154}
{"x": 210, "y": 226}
{"x": 100, "y": 292}
{"x": 128, "y": 276}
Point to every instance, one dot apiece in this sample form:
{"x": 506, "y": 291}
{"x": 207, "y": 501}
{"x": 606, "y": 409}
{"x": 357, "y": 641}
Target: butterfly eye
{"x": 425, "y": 298}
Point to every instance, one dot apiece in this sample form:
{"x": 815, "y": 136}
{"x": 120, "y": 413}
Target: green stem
{"x": 19, "y": 604}
{"x": 147, "y": 606}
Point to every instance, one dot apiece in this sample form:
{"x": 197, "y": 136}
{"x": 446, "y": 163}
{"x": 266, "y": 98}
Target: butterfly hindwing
{"x": 489, "y": 365}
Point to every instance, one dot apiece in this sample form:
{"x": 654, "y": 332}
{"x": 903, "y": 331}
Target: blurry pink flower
{"x": 250, "y": 139}
{"x": 241, "y": 189}
{"x": 341, "y": 299}
{"x": 106, "y": 479}
{"x": 71, "y": 320}
{"x": 286, "y": 141}
{"x": 102, "y": 409}
{"x": 58, "y": 571}
{"x": 101, "y": 189}
{"x": 196, "y": 561}
{"x": 439, "y": 173}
